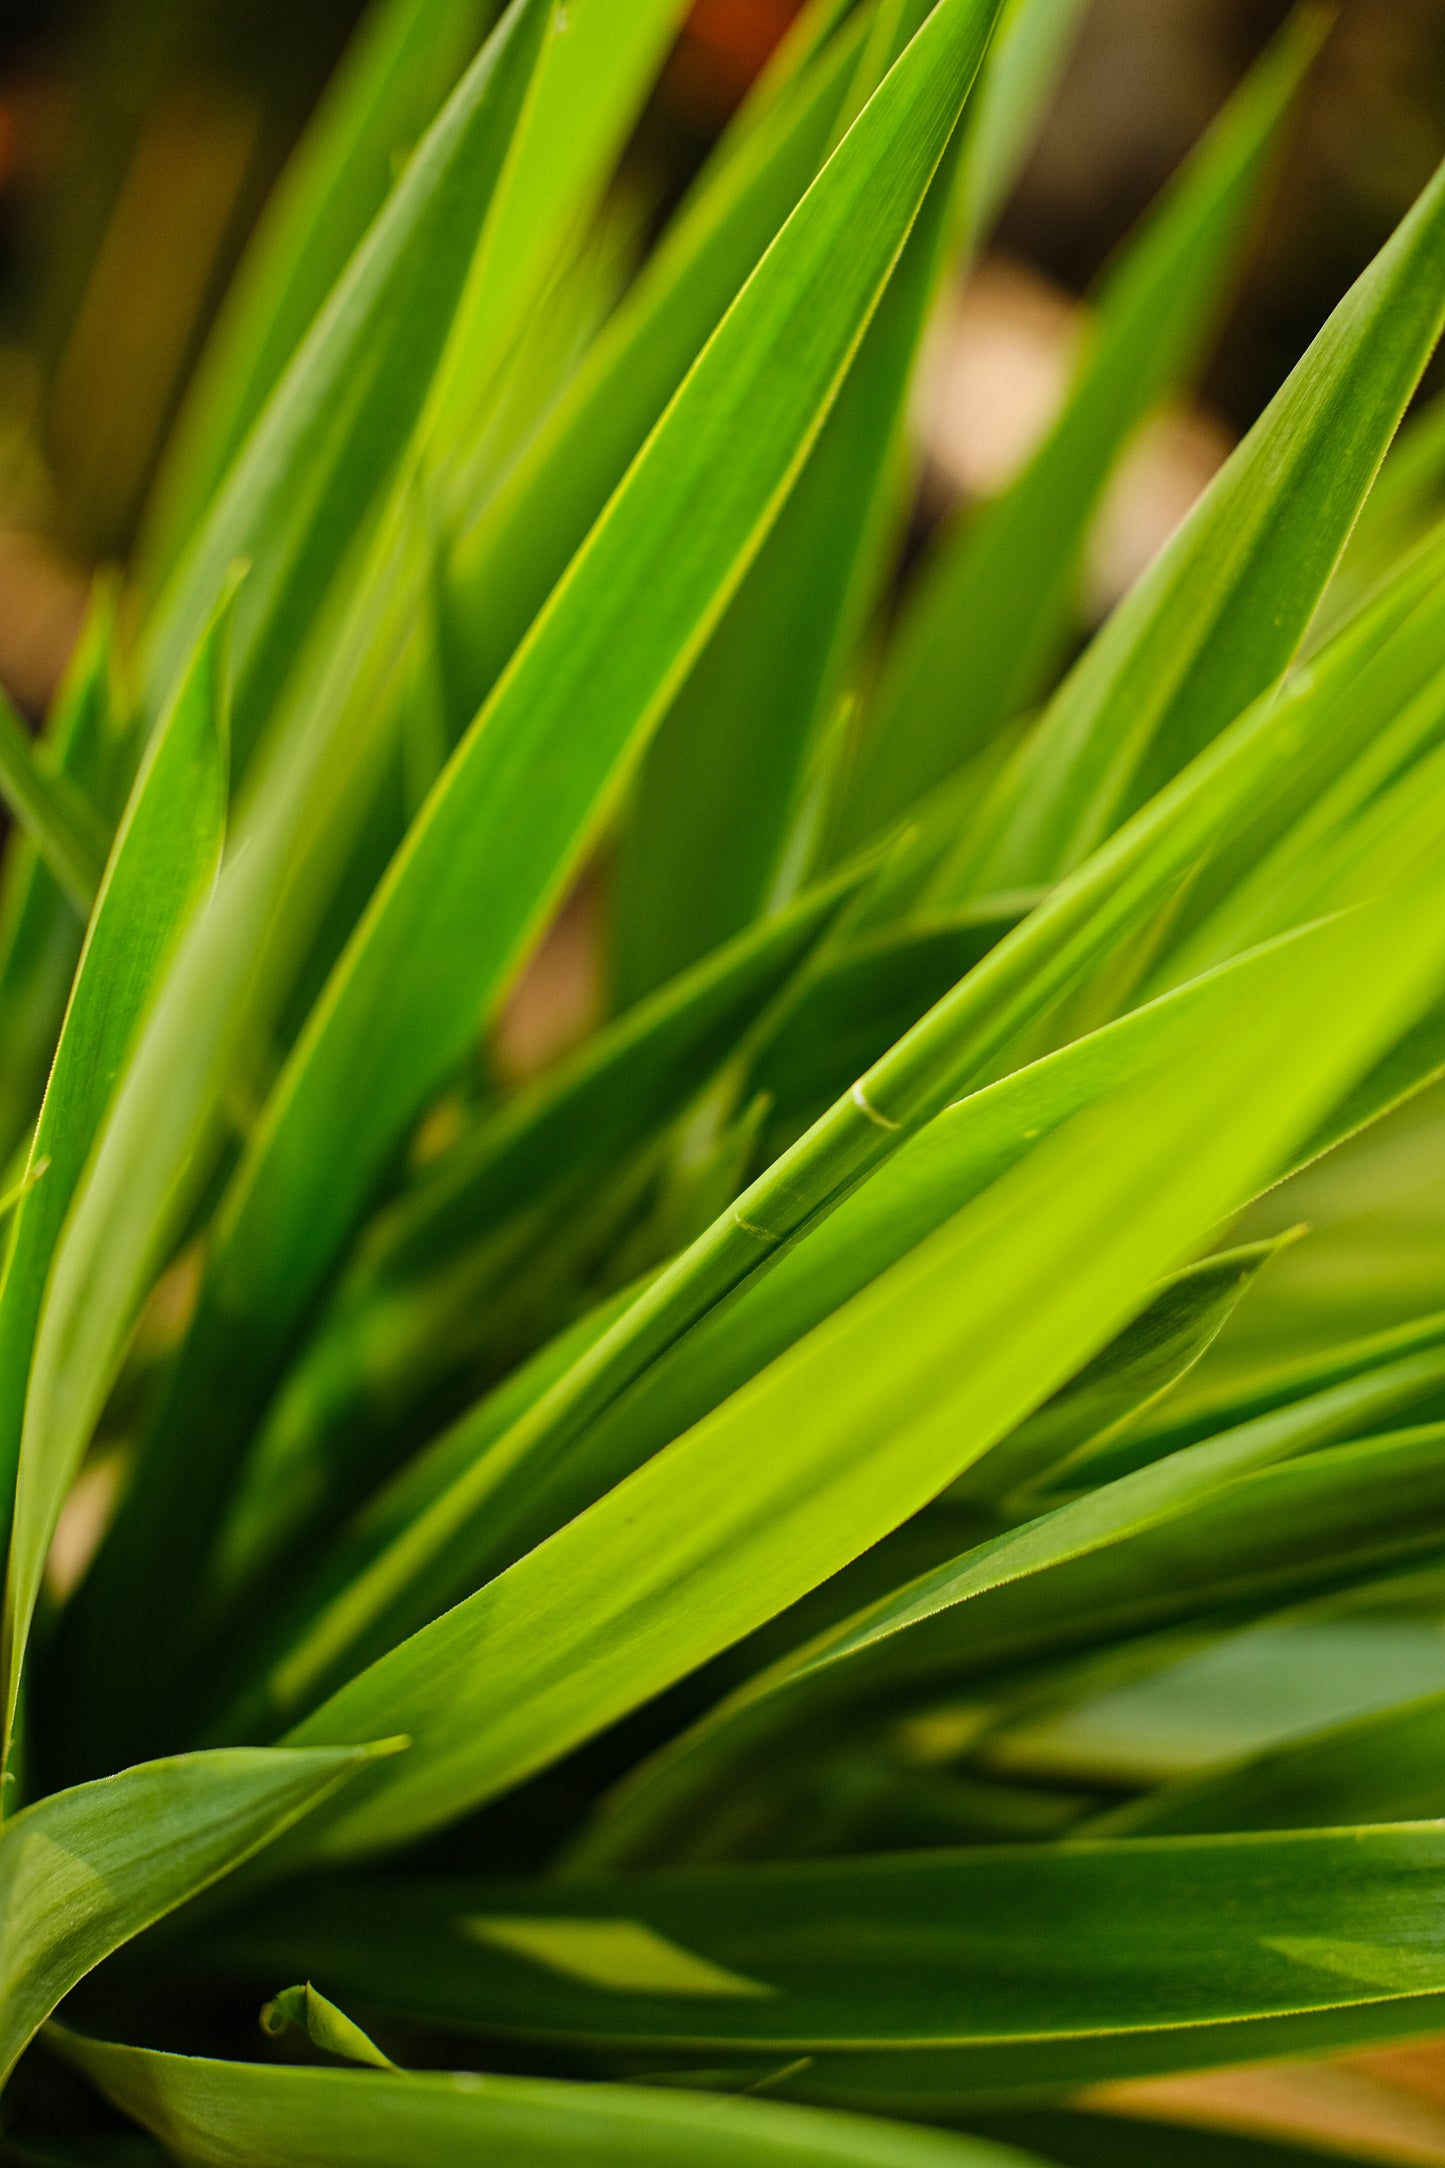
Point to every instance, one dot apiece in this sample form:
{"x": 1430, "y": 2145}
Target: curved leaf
{"x": 84, "y": 1871}
{"x": 240, "y": 2115}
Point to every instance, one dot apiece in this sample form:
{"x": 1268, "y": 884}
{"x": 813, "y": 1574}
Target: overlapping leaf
{"x": 927, "y": 1980}
{"x": 502, "y": 829}
{"x": 84, "y": 1871}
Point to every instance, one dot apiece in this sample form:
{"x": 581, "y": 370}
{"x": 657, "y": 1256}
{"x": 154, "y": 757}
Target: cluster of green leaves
{"x": 624, "y": 1582}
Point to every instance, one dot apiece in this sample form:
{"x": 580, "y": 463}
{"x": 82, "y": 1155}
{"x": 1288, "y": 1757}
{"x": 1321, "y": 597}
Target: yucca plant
{"x": 736, "y": 1565}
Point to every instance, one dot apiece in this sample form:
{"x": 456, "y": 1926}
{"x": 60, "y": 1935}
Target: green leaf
{"x": 1402, "y": 508}
{"x": 487, "y": 858}
{"x": 1251, "y": 776}
{"x": 988, "y": 615}
{"x": 813, "y": 27}
{"x": 720, "y": 824}
{"x": 239, "y": 2115}
{"x": 868, "y": 996}
{"x": 294, "y": 832}
{"x": 573, "y": 1444}
{"x": 1085, "y": 1434}
{"x": 416, "y": 1545}
{"x": 1209, "y": 1489}
{"x": 84, "y": 1871}
{"x": 1217, "y": 1526}
{"x": 922, "y": 1981}
{"x": 161, "y": 869}
{"x": 1028, "y": 56}
{"x": 347, "y": 404}
{"x": 515, "y": 1472}
{"x": 1212, "y": 1693}
{"x": 510, "y": 554}
{"x": 1223, "y": 607}
{"x": 1383, "y": 1767}
{"x": 935, "y": 1175}
{"x": 718, "y": 801}
{"x": 711, "y": 840}
{"x": 380, "y": 1345}
{"x": 503, "y": 1479}
{"x": 324, "y": 2025}
{"x": 404, "y": 60}
{"x": 1225, "y": 1403}
{"x": 40, "y": 929}
{"x": 1331, "y": 847}
{"x": 595, "y": 71}
{"x": 866, "y": 1419}
{"x": 70, "y": 834}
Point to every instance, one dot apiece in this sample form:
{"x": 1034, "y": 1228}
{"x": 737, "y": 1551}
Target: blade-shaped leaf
{"x": 345, "y": 408}
{"x": 595, "y": 71}
{"x": 1401, "y": 509}
{"x": 1250, "y": 777}
{"x": 929, "y": 1978}
{"x": 161, "y": 869}
{"x": 988, "y": 614}
{"x": 515, "y": 1472}
{"x": 324, "y": 2025}
{"x": 497, "y": 1483}
{"x": 1216, "y": 1526}
{"x": 721, "y": 792}
{"x": 1224, "y": 1404}
{"x": 511, "y": 553}
{"x": 404, "y": 60}
{"x": 1030, "y": 50}
{"x": 69, "y": 833}
{"x": 40, "y": 929}
{"x": 84, "y": 1871}
{"x": 870, "y": 1415}
{"x": 240, "y": 2115}
{"x": 718, "y": 830}
{"x": 1222, "y": 609}
{"x": 871, "y": 993}
{"x": 376, "y": 1346}
{"x": 1079, "y": 1437}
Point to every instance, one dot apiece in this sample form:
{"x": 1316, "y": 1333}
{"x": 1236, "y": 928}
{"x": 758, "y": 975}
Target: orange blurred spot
{"x": 723, "y": 46}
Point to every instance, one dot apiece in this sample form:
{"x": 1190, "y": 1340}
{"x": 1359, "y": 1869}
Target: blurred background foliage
{"x": 138, "y": 139}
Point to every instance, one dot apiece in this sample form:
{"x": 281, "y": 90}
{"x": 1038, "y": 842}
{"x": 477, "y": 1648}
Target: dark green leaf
{"x": 923, "y": 1980}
